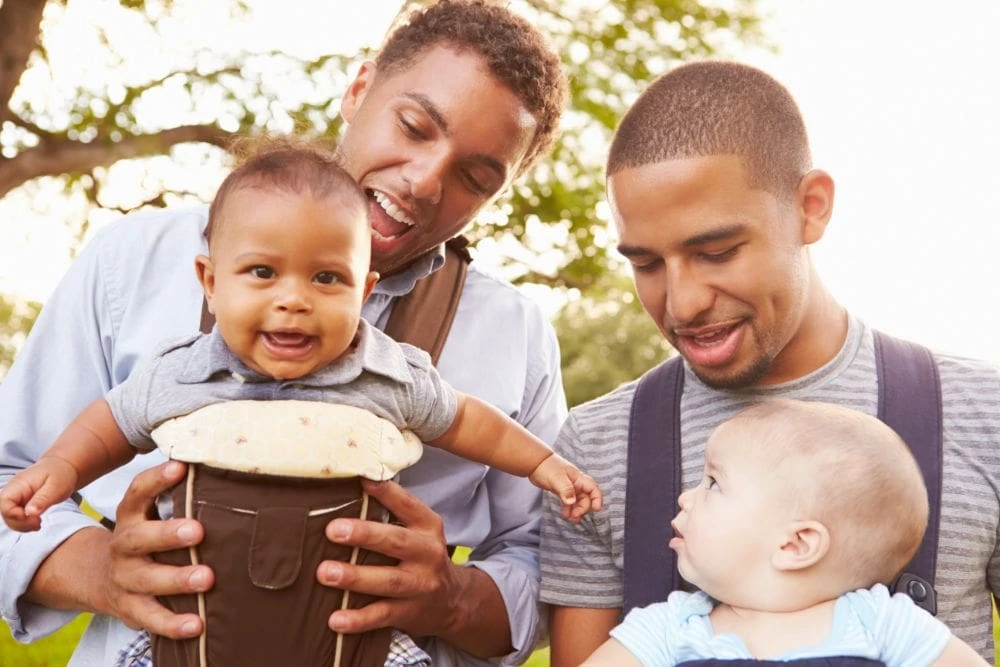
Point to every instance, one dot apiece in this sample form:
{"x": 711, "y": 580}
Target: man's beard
{"x": 744, "y": 380}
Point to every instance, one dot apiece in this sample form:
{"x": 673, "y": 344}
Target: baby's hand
{"x": 34, "y": 490}
{"x": 577, "y": 490}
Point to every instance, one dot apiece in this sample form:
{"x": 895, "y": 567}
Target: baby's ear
{"x": 803, "y": 545}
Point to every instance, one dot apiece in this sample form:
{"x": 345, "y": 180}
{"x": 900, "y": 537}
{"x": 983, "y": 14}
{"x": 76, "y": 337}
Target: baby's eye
{"x": 711, "y": 484}
{"x": 326, "y": 278}
{"x": 262, "y": 272}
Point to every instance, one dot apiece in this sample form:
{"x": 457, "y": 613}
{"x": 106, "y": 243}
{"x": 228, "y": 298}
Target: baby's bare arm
{"x": 613, "y": 654}
{"x": 959, "y": 654}
{"x": 482, "y": 433}
{"x": 91, "y": 446}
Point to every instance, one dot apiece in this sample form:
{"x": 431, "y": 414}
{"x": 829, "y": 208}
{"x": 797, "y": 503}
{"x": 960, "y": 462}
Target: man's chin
{"x": 733, "y": 378}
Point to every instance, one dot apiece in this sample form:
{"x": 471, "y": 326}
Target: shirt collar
{"x": 373, "y": 352}
{"x": 402, "y": 283}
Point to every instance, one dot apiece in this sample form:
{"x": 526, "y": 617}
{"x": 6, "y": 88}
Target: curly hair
{"x": 285, "y": 163}
{"x": 514, "y": 50}
{"x": 717, "y": 108}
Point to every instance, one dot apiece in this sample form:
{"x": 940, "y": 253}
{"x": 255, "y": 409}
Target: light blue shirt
{"x": 134, "y": 286}
{"x": 867, "y": 623}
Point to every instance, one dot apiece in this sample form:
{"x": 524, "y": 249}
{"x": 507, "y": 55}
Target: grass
{"x": 53, "y": 651}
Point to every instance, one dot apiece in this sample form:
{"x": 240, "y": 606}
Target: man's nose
{"x": 425, "y": 176}
{"x": 687, "y": 294}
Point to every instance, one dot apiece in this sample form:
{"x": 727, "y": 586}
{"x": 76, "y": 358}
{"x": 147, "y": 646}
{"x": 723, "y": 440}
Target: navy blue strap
{"x": 653, "y": 485}
{"x": 909, "y": 400}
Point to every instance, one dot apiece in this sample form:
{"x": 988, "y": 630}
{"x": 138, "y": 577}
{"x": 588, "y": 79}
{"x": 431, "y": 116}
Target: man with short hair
{"x": 716, "y": 203}
{"x": 461, "y": 100}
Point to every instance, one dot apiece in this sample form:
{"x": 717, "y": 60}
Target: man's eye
{"x": 262, "y": 272}
{"x": 327, "y": 278}
{"x": 410, "y": 128}
{"x": 720, "y": 257}
{"x": 474, "y": 184}
{"x": 644, "y": 266}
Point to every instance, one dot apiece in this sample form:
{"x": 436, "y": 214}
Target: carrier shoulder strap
{"x": 423, "y": 317}
{"x": 909, "y": 400}
{"x": 653, "y": 484}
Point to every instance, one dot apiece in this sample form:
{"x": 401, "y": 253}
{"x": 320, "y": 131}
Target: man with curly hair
{"x": 462, "y": 98}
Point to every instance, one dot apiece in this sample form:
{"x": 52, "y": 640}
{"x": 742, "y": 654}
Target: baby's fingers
{"x": 585, "y": 486}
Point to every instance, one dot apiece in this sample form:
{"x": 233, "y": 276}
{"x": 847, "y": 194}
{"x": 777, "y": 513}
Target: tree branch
{"x": 20, "y": 22}
{"x": 73, "y": 157}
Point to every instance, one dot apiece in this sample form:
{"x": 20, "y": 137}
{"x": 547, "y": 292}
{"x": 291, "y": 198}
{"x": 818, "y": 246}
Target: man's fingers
{"x": 409, "y": 510}
{"x": 379, "y": 580}
{"x": 141, "y": 539}
{"x": 398, "y": 542}
{"x": 140, "y": 498}
{"x": 157, "y": 579}
{"x": 378, "y": 614}
{"x": 161, "y": 621}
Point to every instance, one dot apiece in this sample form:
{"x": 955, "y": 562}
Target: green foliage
{"x": 606, "y": 339}
{"x": 53, "y": 651}
{"x": 610, "y": 50}
{"x": 16, "y": 318}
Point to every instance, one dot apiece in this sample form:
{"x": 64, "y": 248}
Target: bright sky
{"x": 900, "y": 103}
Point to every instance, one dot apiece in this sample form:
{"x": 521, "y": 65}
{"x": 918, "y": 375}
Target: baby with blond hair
{"x": 806, "y": 512}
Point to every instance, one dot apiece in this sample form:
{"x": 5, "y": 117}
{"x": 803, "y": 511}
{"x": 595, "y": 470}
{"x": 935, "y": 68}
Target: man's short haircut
{"x": 515, "y": 52}
{"x": 717, "y": 108}
{"x": 849, "y": 471}
{"x": 285, "y": 164}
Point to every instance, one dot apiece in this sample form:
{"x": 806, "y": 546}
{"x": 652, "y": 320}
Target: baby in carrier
{"x": 280, "y": 410}
{"x": 805, "y": 513}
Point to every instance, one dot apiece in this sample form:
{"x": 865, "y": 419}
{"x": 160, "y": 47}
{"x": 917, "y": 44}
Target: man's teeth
{"x": 708, "y": 340}
{"x": 394, "y": 212}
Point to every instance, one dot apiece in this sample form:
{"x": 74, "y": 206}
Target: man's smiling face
{"x": 431, "y": 142}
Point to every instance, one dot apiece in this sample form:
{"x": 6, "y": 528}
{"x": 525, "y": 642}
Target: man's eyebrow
{"x": 719, "y": 234}
{"x": 438, "y": 119}
{"x": 633, "y": 250}
{"x": 430, "y": 109}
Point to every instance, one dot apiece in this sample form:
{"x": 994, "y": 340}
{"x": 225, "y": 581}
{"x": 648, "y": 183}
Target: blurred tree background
{"x": 140, "y": 112}
{"x": 147, "y": 119}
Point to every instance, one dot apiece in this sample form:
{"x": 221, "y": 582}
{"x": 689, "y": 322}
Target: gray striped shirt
{"x": 582, "y": 564}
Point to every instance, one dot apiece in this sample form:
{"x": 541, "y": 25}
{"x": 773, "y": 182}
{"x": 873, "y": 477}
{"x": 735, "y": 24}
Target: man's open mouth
{"x": 389, "y": 220}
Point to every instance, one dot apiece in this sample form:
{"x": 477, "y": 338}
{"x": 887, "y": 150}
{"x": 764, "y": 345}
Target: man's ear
{"x": 370, "y": 281}
{"x": 357, "y": 91}
{"x": 804, "y": 544}
{"x": 206, "y": 276}
{"x": 814, "y": 196}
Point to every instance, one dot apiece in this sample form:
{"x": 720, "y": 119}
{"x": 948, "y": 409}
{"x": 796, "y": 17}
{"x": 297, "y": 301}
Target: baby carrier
{"x": 909, "y": 400}
{"x": 264, "y": 534}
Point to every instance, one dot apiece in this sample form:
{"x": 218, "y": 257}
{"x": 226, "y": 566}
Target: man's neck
{"x": 819, "y": 338}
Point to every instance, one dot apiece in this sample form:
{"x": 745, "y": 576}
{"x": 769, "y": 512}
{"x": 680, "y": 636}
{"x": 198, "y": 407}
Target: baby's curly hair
{"x": 285, "y": 163}
{"x": 514, "y": 50}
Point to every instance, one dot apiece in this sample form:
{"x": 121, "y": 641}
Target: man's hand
{"x": 425, "y": 594}
{"x": 133, "y": 578}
